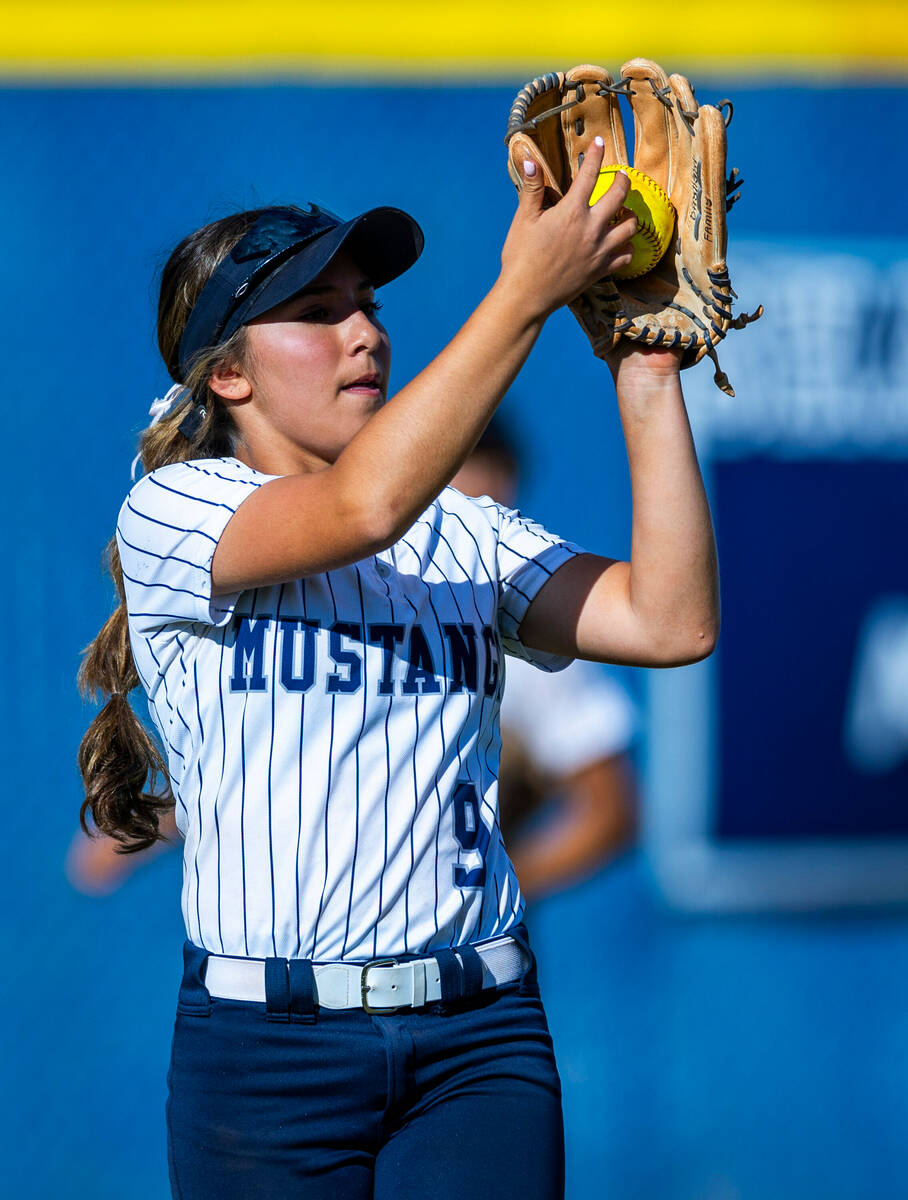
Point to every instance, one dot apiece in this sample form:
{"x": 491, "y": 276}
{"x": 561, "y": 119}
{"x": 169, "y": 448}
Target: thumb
{"x": 528, "y": 172}
{"x": 532, "y": 188}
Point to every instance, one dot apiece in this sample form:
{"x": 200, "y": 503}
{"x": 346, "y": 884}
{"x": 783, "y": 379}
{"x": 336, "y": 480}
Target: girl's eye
{"x": 321, "y": 313}
{"x": 314, "y": 314}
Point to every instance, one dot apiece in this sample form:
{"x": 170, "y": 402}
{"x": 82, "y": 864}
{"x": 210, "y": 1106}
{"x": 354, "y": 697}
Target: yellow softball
{"x": 655, "y": 215}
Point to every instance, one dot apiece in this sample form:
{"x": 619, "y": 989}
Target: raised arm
{"x": 405, "y": 454}
{"x": 661, "y": 608}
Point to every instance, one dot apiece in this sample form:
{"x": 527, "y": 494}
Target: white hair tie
{"x": 160, "y": 408}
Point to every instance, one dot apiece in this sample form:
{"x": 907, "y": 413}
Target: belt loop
{"x": 194, "y": 999}
{"x": 303, "y": 1003}
{"x": 528, "y": 983}
{"x": 472, "y": 970}
{"x": 419, "y": 983}
{"x": 451, "y": 973}
{"x": 277, "y": 990}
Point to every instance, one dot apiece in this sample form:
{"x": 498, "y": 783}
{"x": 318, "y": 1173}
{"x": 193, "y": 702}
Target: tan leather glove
{"x": 685, "y": 300}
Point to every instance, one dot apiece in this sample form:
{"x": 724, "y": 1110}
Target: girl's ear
{"x": 230, "y": 383}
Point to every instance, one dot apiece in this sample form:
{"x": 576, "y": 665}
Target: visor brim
{"x": 385, "y": 242}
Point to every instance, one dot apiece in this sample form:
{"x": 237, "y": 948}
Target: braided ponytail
{"x": 124, "y": 774}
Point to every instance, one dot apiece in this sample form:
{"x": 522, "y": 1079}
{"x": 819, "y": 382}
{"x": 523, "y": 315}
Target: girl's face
{"x": 317, "y": 370}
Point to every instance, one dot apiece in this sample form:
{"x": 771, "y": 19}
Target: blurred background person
{"x": 95, "y": 867}
{"x": 566, "y": 791}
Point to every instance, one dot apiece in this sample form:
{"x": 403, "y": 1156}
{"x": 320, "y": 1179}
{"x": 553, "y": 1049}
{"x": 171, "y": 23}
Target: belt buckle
{"x": 364, "y": 987}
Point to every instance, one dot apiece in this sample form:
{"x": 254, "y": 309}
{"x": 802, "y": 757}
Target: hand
{"x": 552, "y": 254}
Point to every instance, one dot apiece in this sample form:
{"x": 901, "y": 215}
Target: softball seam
{"x": 648, "y": 230}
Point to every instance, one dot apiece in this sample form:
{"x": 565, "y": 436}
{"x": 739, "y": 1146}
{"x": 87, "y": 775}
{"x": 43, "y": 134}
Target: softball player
{"x": 319, "y": 625}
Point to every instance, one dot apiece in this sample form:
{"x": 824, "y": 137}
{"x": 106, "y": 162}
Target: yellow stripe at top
{"x": 471, "y": 39}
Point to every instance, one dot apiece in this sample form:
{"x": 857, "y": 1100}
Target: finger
{"x": 616, "y": 249}
{"x": 618, "y": 260}
{"x": 532, "y": 189}
{"x": 585, "y": 179}
{"x": 620, "y": 233}
{"x": 523, "y": 156}
{"x": 610, "y": 205}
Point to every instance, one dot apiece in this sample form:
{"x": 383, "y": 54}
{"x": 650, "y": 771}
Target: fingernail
{"x": 598, "y": 140}
{"x": 529, "y": 168}
{"x": 621, "y": 171}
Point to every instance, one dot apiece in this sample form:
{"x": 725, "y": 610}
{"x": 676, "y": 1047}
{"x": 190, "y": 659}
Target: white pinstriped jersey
{"x": 333, "y": 742}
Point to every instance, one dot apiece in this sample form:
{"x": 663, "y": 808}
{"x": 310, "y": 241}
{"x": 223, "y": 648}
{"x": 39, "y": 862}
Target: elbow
{"x": 373, "y": 520}
{"x": 389, "y": 512}
{"x": 703, "y": 642}
{"x": 370, "y": 531}
{"x": 679, "y": 641}
{"x": 695, "y": 631}
{"x": 692, "y": 644}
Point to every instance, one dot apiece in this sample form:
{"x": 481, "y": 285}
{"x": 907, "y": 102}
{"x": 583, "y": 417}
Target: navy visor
{"x": 281, "y": 254}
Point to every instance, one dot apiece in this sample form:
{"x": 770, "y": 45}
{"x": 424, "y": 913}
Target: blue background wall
{"x": 710, "y": 1058}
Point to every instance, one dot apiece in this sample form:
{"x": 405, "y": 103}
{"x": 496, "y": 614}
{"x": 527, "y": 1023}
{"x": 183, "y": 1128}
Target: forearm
{"x": 661, "y": 608}
{"x": 416, "y": 444}
{"x": 673, "y": 588}
{"x": 407, "y": 453}
{"x": 413, "y": 447}
{"x": 362, "y": 498}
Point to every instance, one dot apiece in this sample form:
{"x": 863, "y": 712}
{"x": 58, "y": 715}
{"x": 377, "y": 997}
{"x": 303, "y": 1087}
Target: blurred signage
{"x": 778, "y": 770}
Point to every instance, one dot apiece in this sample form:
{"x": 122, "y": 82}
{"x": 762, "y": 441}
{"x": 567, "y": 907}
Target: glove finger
{"x": 521, "y": 147}
{"x": 655, "y": 127}
{"x": 685, "y": 100}
{"x": 698, "y": 190}
{"x": 595, "y": 114}
{"x": 596, "y": 309}
{"x": 712, "y": 138}
{"x": 534, "y": 117}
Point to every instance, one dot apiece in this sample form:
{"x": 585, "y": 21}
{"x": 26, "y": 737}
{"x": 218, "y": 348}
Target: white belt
{"x": 381, "y": 985}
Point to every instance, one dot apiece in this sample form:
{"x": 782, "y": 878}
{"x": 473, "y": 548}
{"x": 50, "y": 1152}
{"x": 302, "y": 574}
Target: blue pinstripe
{"x": 365, "y": 690}
{"x": 187, "y": 496}
{"x": 166, "y": 586}
{"x": 381, "y": 878}
{"x": 167, "y": 525}
{"x": 484, "y": 699}
{"x": 243, "y": 803}
{"x": 294, "y": 898}
{"x": 299, "y": 827}
{"x": 217, "y": 822}
{"x": 441, "y": 726}
{"x": 460, "y": 615}
{"x": 321, "y": 903}
{"x": 415, "y": 804}
{"x": 277, "y": 617}
{"x": 217, "y": 475}
{"x": 161, "y": 557}
{"x": 198, "y": 764}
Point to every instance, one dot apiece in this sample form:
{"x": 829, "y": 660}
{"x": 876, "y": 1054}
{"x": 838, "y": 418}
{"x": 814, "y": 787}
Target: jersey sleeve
{"x": 167, "y": 532}
{"x": 528, "y": 555}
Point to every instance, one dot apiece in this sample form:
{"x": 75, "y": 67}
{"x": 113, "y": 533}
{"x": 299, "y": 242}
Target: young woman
{"x": 318, "y": 622}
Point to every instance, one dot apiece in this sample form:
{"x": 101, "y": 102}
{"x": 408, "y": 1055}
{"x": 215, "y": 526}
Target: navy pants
{"x": 280, "y": 1100}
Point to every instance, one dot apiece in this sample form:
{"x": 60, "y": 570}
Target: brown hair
{"x": 124, "y": 774}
